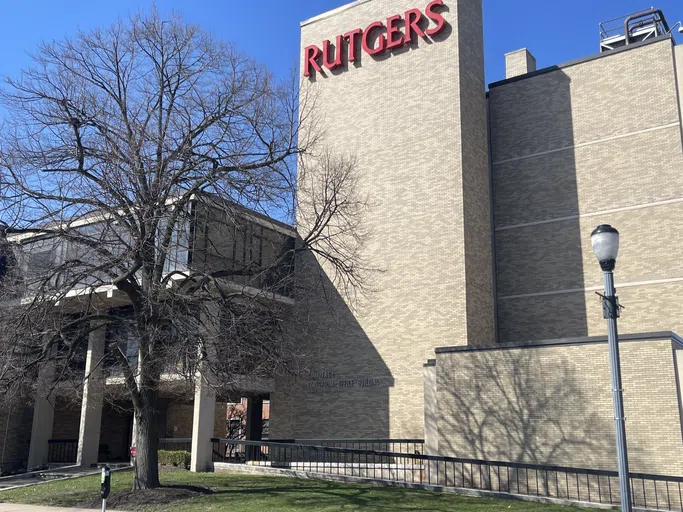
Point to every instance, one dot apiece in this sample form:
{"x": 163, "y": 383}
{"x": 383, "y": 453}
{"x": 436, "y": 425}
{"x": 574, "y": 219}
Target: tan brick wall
{"x": 568, "y": 315}
{"x": 553, "y": 405}
{"x": 519, "y": 63}
{"x": 67, "y": 420}
{"x": 546, "y": 257}
{"x": 401, "y": 115}
{"x": 570, "y": 146}
{"x": 179, "y": 420}
{"x": 15, "y": 437}
{"x": 475, "y": 219}
{"x": 586, "y": 102}
{"x": 678, "y": 55}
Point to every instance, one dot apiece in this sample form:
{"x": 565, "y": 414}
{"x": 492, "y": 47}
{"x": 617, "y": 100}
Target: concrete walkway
{"x": 50, "y": 475}
{"x": 39, "y": 477}
{"x": 11, "y": 507}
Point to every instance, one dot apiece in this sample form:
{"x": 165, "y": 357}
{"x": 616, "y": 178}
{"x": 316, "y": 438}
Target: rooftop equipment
{"x": 633, "y": 28}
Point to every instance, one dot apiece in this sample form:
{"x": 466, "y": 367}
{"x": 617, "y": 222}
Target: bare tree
{"x": 142, "y": 166}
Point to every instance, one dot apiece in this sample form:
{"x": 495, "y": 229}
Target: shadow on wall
{"x": 535, "y": 180}
{"x": 343, "y": 392}
{"x": 516, "y": 406}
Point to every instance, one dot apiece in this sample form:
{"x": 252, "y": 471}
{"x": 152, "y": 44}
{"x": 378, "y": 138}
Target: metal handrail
{"x": 554, "y": 482}
{"x": 458, "y": 460}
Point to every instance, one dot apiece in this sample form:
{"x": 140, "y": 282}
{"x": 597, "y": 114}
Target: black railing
{"x": 241, "y": 452}
{"x": 409, "y": 446}
{"x": 62, "y": 451}
{"x": 655, "y": 492}
{"x": 175, "y": 444}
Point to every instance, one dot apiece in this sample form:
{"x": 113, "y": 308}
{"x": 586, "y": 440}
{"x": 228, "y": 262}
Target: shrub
{"x": 179, "y": 459}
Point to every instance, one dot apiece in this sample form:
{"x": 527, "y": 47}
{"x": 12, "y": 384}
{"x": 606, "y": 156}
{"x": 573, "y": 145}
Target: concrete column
{"x": 431, "y": 415}
{"x": 203, "y": 425}
{"x": 93, "y": 393}
{"x": 43, "y": 417}
{"x": 204, "y": 401}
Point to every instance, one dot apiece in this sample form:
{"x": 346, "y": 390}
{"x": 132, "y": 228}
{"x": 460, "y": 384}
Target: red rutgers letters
{"x": 377, "y": 38}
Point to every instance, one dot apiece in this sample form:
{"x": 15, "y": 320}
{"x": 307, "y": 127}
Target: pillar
{"x": 203, "y": 425}
{"x": 93, "y": 394}
{"x": 431, "y": 416}
{"x": 254, "y": 419}
{"x": 254, "y": 425}
{"x": 204, "y": 400}
{"x": 43, "y": 417}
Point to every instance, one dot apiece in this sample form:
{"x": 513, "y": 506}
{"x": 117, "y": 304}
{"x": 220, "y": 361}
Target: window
{"x": 121, "y": 337}
{"x": 235, "y": 428}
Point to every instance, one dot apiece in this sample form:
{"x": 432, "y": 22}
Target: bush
{"x": 179, "y": 459}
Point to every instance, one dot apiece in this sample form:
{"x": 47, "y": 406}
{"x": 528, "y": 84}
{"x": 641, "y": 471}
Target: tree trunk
{"x": 147, "y": 441}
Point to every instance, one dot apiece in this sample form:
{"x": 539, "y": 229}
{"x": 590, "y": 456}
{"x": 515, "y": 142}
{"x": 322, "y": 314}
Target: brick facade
{"x": 179, "y": 420}
{"x": 480, "y": 215}
{"x": 424, "y": 170}
{"x": 598, "y": 142}
{"x": 519, "y": 63}
{"x": 553, "y": 405}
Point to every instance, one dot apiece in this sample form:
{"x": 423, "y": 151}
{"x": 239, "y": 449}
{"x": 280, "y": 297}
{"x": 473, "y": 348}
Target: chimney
{"x": 519, "y": 63}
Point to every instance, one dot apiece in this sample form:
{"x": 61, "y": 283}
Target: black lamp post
{"x": 605, "y": 242}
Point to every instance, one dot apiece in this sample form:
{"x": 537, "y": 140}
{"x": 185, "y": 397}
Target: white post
{"x": 43, "y": 417}
{"x": 204, "y": 400}
{"x": 91, "y": 408}
{"x": 203, "y": 425}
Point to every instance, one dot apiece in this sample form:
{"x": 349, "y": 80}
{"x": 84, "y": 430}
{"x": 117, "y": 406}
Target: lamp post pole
{"x": 612, "y": 312}
{"x": 605, "y": 241}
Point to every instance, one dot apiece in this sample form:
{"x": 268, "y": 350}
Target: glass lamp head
{"x": 605, "y": 242}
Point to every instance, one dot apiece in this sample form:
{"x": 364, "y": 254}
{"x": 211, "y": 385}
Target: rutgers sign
{"x": 377, "y": 38}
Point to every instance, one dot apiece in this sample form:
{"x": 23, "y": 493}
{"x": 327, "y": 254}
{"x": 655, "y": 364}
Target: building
{"x": 65, "y": 424}
{"x": 483, "y": 206}
{"x": 482, "y": 333}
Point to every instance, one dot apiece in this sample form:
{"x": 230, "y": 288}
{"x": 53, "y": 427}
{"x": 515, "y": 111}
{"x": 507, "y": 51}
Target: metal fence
{"x": 231, "y": 450}
{"x": 175, "y": 444}
{"x": 656, "y": 492}
{"x": 380, "y": 445}
{"x": 62, "y": 451}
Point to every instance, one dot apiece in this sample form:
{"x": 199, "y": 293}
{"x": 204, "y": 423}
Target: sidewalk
{"x": 11, "y": 507}
{"x": 51, "y": 475}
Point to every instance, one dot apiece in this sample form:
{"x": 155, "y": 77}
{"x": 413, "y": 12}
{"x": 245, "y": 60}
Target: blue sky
{"x": 555, "y": 31}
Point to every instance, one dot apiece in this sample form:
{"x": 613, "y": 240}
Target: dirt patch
{"x": 138, "y": 500}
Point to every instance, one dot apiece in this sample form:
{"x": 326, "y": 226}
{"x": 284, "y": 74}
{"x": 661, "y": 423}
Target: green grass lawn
{"x": 241, "y": 493}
